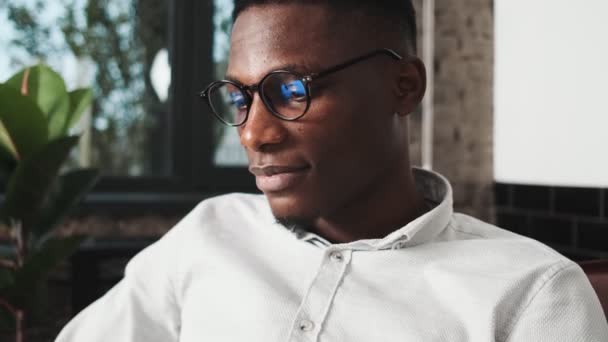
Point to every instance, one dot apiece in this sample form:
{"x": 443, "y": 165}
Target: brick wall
{"x": 572, "y": 220}
{"x": 463, "y": 127}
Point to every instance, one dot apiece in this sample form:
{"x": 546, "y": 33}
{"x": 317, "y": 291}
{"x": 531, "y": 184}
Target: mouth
{"x": 276, "y": 178}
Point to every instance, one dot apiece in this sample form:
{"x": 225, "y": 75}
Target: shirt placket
{"x": 317, "y": 302}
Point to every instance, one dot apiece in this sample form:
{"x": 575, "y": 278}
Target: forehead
{"x": 269, "y": 37}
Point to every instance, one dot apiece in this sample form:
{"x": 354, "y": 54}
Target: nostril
{"x": 262, "y": 129}
{"x": 262, "y": 135}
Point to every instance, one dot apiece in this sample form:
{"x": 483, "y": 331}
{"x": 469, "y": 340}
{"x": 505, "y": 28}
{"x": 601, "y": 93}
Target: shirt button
{"x": 336, "y": 256}
{"x": 306, "y": 325}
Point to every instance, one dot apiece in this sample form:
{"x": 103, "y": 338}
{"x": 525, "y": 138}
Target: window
{"x": 228, "y": 151}
{"x": 118, "y": 47}
{"x": 146, "y": 60}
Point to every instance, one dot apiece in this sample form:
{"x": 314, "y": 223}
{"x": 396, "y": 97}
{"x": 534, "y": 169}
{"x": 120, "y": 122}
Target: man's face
{"x": 347, "y": 142}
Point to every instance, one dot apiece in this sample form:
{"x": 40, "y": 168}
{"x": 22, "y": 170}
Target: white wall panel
{"x": 551, "y": 92}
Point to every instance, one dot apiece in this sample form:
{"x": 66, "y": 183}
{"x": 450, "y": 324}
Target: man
{"x": 348, "y": 243}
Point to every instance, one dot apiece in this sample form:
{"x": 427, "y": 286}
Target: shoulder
{"x": 513, "y": 272}
{"x": 486, "y": 249}
{"x": 234, "y": 205}
{"x": 220, "y": 216}
{"x": 217, "y": 222}
{"x": 469, "y": 225}
{"x": 468, "y": 228}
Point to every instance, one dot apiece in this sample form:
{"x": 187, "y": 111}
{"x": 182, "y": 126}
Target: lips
{"x": 275, "y": 178}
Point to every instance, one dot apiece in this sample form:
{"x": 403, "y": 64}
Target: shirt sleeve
{"x": 141, "y": 307}
{"x": 565, "y": 309}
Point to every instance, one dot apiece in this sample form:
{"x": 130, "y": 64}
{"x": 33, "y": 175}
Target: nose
{"x": 262, "y": 131}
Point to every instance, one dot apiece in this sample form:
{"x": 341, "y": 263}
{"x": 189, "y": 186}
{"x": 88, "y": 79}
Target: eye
{"x": 293, "y": 91}
{"x": 237, "y": 99}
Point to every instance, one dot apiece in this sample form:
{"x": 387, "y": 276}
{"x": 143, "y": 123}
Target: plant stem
{"x": 8, "y": 264}
{"x": 26, "y": 76}
{"x": 8, "y": 307}
{"x": 19, "y": 315}
{"x": 20, "y": 241}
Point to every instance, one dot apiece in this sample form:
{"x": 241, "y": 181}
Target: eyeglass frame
{"x": 249, "y": 90}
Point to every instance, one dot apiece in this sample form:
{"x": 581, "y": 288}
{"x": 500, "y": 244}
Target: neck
{"x": 375, "y": 213}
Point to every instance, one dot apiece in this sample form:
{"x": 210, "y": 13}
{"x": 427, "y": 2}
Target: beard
{"x": 295, "y": 224}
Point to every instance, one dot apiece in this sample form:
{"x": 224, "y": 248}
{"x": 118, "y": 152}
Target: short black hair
{"x": 397, "y": 13}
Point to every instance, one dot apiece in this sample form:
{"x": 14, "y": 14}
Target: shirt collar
{"x": 436, "y": 190}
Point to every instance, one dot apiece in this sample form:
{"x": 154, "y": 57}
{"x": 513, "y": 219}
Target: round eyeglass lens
{"x": 229, "y": 103}
{"x": 286, "y": 94}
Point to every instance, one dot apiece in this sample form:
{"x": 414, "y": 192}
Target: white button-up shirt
{"x": 228, "y": 272}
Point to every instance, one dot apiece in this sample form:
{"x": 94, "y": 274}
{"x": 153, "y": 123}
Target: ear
{"x": 410, "y": 85}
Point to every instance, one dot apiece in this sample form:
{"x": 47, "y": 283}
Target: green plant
{"x": 36, "y": 114}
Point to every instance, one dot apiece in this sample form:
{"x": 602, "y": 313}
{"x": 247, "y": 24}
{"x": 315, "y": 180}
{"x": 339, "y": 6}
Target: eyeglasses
{"x": 286, "y": 94}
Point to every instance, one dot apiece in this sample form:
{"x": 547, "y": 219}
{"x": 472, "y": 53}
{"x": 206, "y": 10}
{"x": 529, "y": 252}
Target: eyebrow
{"x": 303, "y": 69}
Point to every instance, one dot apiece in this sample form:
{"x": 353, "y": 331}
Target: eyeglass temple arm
{"x": 386, "y": 51}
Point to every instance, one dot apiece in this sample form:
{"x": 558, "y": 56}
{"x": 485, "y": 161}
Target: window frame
{"x": 192, "y": 174}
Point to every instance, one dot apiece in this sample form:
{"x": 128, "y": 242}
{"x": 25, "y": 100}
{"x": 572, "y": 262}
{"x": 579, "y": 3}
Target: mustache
{"x": 273, "y": 169}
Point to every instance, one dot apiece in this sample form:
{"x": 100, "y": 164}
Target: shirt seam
{"x": 451, "y": 225}
{"x": 556, "y": 272}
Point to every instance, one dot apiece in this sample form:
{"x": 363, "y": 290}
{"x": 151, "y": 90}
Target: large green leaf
{"x": 47, "y": 88}
{"x": 6, "y": 141}
{"x": 32, "y": 180}
{"x": 80, "y": 99}
{"x": 7, "y": 162}
{"x": 67, "y": 192}
{"x": 23, "y": 127}
{"x": 37, "y": 267}
{"x": 56, "y": 124}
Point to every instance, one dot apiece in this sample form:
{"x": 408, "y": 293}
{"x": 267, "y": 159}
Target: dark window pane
{"x": 228, "y": 151}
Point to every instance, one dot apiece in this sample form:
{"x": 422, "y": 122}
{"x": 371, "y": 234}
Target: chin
{"x": 292, "y": 208}
{"x": 295, "y": 223}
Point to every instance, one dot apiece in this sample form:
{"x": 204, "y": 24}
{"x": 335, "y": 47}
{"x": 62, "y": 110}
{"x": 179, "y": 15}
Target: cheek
{"x": 349, "y": 123}
{"x": 345, "y": 139}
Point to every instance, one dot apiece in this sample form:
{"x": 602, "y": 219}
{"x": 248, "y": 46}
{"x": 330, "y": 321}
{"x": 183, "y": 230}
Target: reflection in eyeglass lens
{"x": 293, "y": 90}
{"x": 237, "y": 99}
